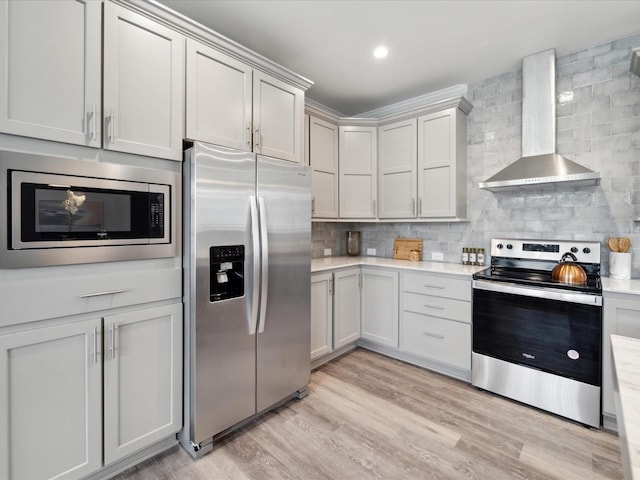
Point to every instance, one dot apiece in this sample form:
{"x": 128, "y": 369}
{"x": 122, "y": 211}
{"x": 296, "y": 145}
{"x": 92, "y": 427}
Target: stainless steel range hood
{"x": 539, "y": 165}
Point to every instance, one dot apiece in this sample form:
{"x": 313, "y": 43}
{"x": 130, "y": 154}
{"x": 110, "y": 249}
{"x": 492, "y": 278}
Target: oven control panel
{"x": 585, "y": 252}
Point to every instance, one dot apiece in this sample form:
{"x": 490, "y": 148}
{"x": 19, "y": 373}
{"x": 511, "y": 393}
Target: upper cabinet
{"x": 50, "y": 59}
{"x": 323, "y": 158}
{"x": 397, "y": 169}
{"x": 231, "y": 104}
{"x": 442, "y": 164}
{"x": 358, "y": 171}
{"x": 143, "y": 85}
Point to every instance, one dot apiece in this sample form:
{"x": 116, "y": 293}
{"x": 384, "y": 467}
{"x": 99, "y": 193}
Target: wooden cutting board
{"x": 402, "y": 247}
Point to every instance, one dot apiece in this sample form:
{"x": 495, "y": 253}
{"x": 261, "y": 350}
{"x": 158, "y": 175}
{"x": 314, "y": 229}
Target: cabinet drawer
{"x": 84, "y": 292}
{"x": 437, "y": 306}
{"x": 436, "y": 285}
{"x": 442, "y": 340}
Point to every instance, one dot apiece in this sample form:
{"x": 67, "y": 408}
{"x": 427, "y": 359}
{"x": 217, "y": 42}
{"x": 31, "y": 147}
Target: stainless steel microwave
{"x": 65, "y": 211}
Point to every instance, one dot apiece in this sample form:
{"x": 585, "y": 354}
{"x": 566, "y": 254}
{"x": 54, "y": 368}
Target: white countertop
{"x": 613, "y": 285}
{"x": 331, "y": 263}
{"x": 626, "y": 359}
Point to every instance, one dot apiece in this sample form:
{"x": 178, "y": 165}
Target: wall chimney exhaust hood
{"x": 539, "y": 165}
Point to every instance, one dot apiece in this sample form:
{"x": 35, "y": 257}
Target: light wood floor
{"x": 369, "y": 416}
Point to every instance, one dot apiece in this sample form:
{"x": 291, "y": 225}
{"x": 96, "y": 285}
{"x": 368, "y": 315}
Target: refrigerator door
{"x": 283, "y": 358}
{"x": 220, "y": 384}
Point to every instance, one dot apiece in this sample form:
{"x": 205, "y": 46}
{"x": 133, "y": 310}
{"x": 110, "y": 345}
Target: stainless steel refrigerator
{"x": 247, "y": 263}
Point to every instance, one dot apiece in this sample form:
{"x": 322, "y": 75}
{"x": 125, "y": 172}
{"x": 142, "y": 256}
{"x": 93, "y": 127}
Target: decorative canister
{"x": 620, "y": 265}
{"x": 353, "y": 243}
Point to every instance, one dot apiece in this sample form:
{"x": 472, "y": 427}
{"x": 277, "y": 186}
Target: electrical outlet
{"x": 371, "y": 251}
{"x": 437, "y": 256}
{"x": 327, "y": 252}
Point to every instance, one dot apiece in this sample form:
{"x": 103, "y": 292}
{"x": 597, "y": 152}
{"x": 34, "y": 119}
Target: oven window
{"x": 79, "y": 213}
{"x": 553, "y": 336}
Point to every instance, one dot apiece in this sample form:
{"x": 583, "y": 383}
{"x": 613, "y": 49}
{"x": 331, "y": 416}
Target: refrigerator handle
{"x": 255, "y": 237}
{"x": 265, "y": 264}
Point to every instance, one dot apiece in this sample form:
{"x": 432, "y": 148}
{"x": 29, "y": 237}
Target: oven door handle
{"x": 547, "y": 293}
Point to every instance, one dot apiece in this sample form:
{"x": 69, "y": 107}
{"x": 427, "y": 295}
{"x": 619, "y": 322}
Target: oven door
{"x": 547, "y": 329}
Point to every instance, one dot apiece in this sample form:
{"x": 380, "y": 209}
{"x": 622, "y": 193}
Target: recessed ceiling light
{"x": 381, "y": 52}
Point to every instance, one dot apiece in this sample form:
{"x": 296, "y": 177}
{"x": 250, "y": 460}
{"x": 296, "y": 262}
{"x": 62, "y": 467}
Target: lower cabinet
{"x": 621, "y": 316}
{"x": 52, "y": 388}
{"x": 321, "y": 314}
{"x": 435, "y": 319}
{"x": 346, "y": 303}
{"x": 379, "y": 304}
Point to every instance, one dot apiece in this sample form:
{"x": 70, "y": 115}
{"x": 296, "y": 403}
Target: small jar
{"x": 480, "y": 257}
{"x": 465, "y": 256}
{"x": 473, "y": 257}
{"x": 353, "y": 243}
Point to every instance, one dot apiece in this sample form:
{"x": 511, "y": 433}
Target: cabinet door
{"x": 143, "y": 85}
{"x": 278, "y": 118}
{"x": 358, "y": 172}
{"x": 50, "y": 65}
{"x": 441, "y": 165}
{"x": 621, "y": 317}
{"x": 142, "y": 379}
{"x": 51, "y": 402}
{"x": 218, "y": 98}
{"x": 379, "y": 302}
{"x": 346, "y": 307}
{"x": 321, "y": 314}
{"x": 397, "y": 165}
{"x": 323, "y": 157}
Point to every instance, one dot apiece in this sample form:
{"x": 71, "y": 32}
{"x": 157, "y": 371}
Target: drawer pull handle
{"x": 100, "y": 294}
{"x": 438, "y": 307}
{"x": 434, "y": 335}
{"x": 439, "y": 287}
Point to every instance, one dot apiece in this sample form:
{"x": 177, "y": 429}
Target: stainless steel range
{"x": 537, "y": 340}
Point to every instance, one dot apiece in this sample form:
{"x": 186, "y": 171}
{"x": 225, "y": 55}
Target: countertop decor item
{"x": 569, "y": 271}
{"x": 353, "y": 243}
{"x": 402, "y": 247}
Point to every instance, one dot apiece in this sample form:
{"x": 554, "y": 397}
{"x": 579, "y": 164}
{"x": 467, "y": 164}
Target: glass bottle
{"x": 473, "y": 258}
{"x": 480, "y": 259}
{"x": 465, "y": 256}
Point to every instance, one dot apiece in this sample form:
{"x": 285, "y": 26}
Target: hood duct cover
{"x": 540, "y": 165}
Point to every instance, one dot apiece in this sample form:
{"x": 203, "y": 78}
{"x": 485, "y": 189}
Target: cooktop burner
{"x": 530, "y": 262}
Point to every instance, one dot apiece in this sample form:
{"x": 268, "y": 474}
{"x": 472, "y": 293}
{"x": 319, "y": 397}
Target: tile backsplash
{"x": 598, "y": 126}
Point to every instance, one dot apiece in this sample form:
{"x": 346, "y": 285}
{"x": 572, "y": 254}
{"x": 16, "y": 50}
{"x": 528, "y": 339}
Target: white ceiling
{"x": 432, "y": 44}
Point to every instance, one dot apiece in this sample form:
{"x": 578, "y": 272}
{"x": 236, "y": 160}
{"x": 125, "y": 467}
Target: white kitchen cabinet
{"x": 142, "y": 379}
{"x": 143, "y": 96}
{"x": 321, "y": 314}
{"x": 323, "y": 158}
{"x": 435, "y": 320}
{"x": 621, "y": 316}
{"x": 379, "y": 306}
{"x": 50, "y": 65}
{"x": 231, "y": 104}
{"x": 51, "y": 402}
{"x": 346, "y": 324}
{"x": 358, "y": 172}
{"x": 442, "y": 164}
{"x": 397, "y": 169}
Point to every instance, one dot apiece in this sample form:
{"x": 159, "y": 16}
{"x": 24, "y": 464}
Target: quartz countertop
{"x": 332, "y": 263}
{"x": 626, "y": 359}
{"x": 613, "y": 285}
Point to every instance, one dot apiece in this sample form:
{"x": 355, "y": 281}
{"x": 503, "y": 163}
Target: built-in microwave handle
{"x": 100, "y": 294}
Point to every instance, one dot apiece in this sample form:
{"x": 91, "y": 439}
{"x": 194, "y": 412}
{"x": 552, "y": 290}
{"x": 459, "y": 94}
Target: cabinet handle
{"x": 91, "y": 123}
{"x": 256, "y": 143}
{"x": 99, "y": 294}
{"x": 95, "y": 345}
{"x": 437, "y": 307}
{"x": 313, "y": 206}
{"x": 420, "y": 206}
{"x": 434, "y": 335}
{"x": 439, "y": 287}
{"x": 114, "y": 340}
{"x": 249, "y": 136}
{"x": 111, "y": 129}
{"x": 413, "y": 206}
{"x": 331, "y": 286}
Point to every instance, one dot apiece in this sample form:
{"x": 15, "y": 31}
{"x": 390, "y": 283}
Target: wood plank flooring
{"x": 372, "y": 417}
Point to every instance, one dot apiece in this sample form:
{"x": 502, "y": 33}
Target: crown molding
{"x": 192, "y": 29}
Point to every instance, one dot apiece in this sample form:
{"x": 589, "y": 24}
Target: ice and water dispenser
{"x": 226, "y": 267}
